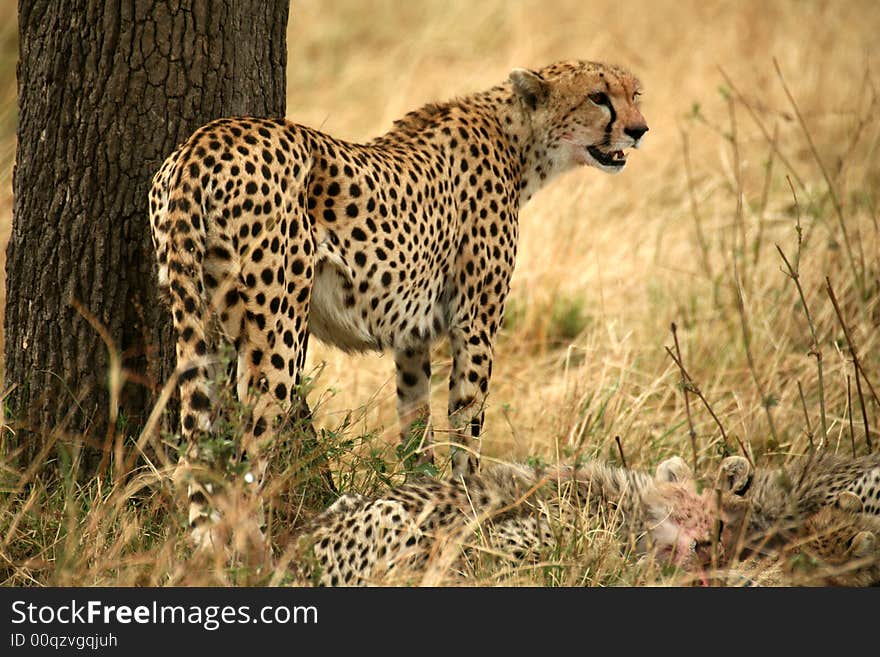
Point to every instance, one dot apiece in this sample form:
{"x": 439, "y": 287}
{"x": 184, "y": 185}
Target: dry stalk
{"x": 698, "y": 222}
{"x": 689, "y": 382}
{"x": 838, "y": 208}
{"x": 4, "y": 427}
{"x": 857, "y": 364}
{"x": 765, "y": 198}
{"x": 687, "y": 403}
{"x": 852, "y": 433}
{"x": 806, "y": 415}
{"x": 794, "y": 275}
{"x": 864, "y": 411}
{"x": 116, "y": 380}
{"x": 870, "y": 115}
{"x": 739, "y": 218}
{"x": 150, "y": 430}
{"x": 747, "y": 343}
{"x": 757, "y": 119}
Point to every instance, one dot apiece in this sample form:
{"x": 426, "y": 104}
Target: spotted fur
{"x": 838, "y": 545}
{"x": 756, "y": 537}
{"x": 510, "y": 512}
{"x": 266, "y": 231}
{"x": 777, "y": 501}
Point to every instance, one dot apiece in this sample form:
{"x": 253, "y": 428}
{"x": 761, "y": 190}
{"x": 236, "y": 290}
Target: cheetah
{"x": 510, "y": 511}
{"x": 836, "y": 546}
{"x": 775, "y": 502}
{"x": 514, "y": 511}
{"x": 266, "y": 231}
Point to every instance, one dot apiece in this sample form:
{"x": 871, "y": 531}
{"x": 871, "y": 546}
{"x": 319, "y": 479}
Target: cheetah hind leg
{"x": 218, "y": 504}
{"x": 416, "y": 448}
{"x": 231, "y": 517}
{"x": 300, "y": 475}
{"x": 225, "y": 519}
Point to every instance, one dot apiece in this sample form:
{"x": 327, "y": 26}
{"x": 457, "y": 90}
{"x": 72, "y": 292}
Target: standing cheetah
{"x": 268, "y": 231}
{"x": 510, "y": 511}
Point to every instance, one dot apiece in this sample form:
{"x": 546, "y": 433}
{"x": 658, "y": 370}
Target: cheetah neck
{"x": 531, "y": 150}
{"x": 534, "y": 150}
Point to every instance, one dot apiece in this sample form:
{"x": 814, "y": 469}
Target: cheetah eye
{"x": 636, "y": 95}
{"x": 600, "y": 98}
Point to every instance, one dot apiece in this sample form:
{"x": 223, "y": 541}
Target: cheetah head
{"x": 587, "y": 113}
{"x": 681, "y": 521}
{"x": 690, "y": 529}
{"x": 837, "y": 546}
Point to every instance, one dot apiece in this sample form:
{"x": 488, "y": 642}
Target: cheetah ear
{"x": 529, "y": 86}
{"x": 674, "y": 470}
{"x": 850, "y": 502}
{"x": 734, "y": 475}
{"x": 864, "y": 544}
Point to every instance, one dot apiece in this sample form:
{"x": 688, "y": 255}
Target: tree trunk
{"x": 106, "y": 90}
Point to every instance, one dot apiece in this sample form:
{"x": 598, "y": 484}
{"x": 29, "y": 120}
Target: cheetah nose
{"x": 636, "y": 131}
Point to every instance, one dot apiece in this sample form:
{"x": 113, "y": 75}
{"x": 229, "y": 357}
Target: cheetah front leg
{"x": 468, "y": 387}
{"x": 414, "y": 402}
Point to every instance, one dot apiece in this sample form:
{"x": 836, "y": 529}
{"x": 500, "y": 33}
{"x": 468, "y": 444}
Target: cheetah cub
{"x": 836, "y": 546}
{"x": 508, "y": 510}
{"x": 817, "y": 518}
{"x": 779, "y": 499}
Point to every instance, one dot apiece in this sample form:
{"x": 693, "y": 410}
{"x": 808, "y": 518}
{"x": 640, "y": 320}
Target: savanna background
{"x": 763, "y": 137}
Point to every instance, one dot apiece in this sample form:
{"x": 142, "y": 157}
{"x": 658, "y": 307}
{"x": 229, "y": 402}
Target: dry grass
{"x": 732, "y": 167}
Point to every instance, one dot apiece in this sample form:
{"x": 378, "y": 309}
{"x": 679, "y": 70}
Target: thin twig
{"x": 797, "y": 225}
{"x": 762, "y": 128}
{"x": 687, "y": 403}
{"x": 870, "y": 115}
{"x": 765, "y": 197}
{"x": 696, "y": 390}
{"x": 620, "y": 449}
{"x": 4, "y": 427}
{"x": 747, "y": 343}
{"x": 864, "y": 411}
{"x": 151, "y": 426}
{"x": 698, "y": 223}
{"x": 116, "y": 381}
{"x": 806, "y": 415}
{"x": 794, "y": 274}
{"x": 857, "y": 364}
{"x": 852, "y": 433}
{"x": 739, "y": 218}
{"x": 815, "y": 350}
{"x": 838, "y": 208}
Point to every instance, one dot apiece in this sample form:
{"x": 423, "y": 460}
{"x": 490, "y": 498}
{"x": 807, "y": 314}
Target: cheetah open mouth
{"x": 612, "y": 159}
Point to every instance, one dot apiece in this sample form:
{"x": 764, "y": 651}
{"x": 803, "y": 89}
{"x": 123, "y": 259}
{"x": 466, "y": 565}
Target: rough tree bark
{"x": 106, "y": 90}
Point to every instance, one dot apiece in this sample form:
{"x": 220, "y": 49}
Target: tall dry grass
{"x": 607, "y": 263}
{"x": 764, "y": 134}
